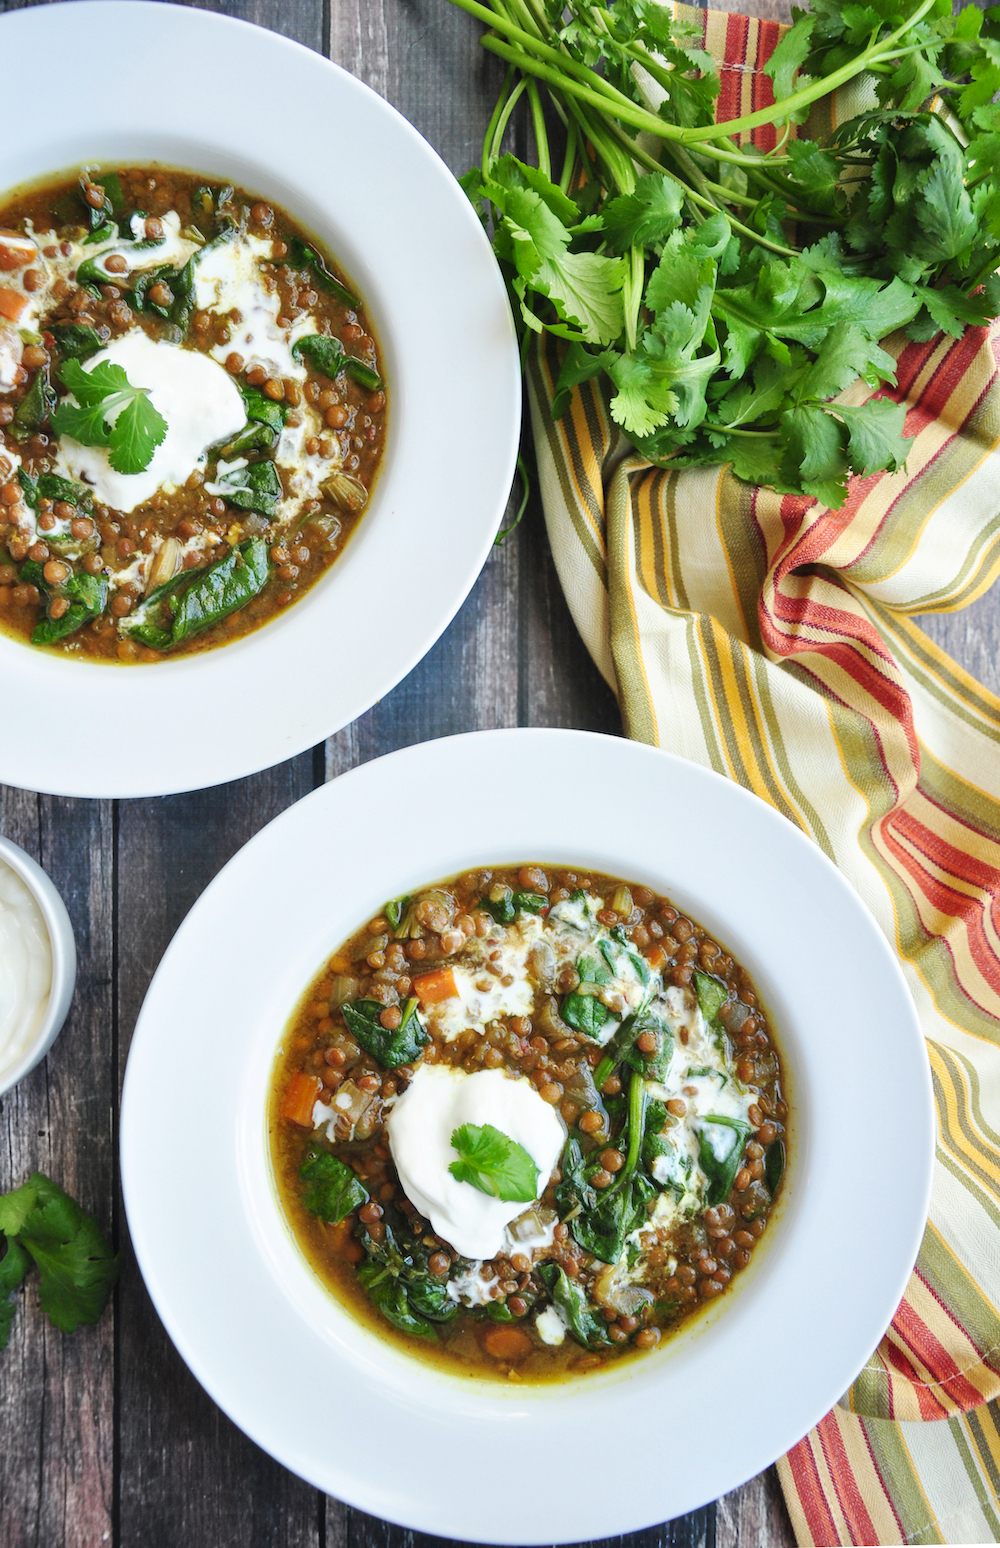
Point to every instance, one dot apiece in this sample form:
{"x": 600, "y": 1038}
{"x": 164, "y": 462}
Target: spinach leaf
{"x": 654, "y": 1066}
{"x": 91, "y": 277}
{"x": 720, "y": 1150}
{"x": 29, "y": 488}
{"x": 494, "y": 1163}
{"x": 333, "y": 1190}
{"x": 712, "y": 995}
{"x": 183, "y": 282}
{"x": 618, "y": 1048}
{"x": 506, "y": 908}
{"x": 143, "y": 282}
{"x": 654, "y": 1142}
{"x": 502, "y": 908}
{"x": 254, "y": 436}
{"x": 88, "y": 595}
{"x": 585, "y": 1013}
{"x": 590, "y": 971}
{"x": 586, "y": 1326}
{"x": 389, "y": 1295}
{"x": 364, "y": 374}
{"x": 324, "y": 353}
{"x": 394, "y": 911}
{"x": 52, "y": 487}
{"x": 573, "y": 1193}
{"x": 253, "y": 487}
{"x": 151, "y": 623}
{"x": 110, "y": 186}
{"x": 774, "y": 1166}
{"x": 600, "y": 1220}
{"x": 260, "y": 407}
{"x": 619, "y": 1211}
{"x": 225, "y": 586}
{"x": 618, "y": 951}
{"x": 35, "y": 407}
{"x": 428, "y": 1295}
{"x": 302, "y": 256}
{"x": 329, "y": 356}
{"x": 390, "y": 1048}
{"x": 76, "y": 340}
{"x": 397, "y": 1279}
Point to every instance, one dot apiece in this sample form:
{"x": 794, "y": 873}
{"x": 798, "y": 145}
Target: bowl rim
{"x": 442, "y": 316}
{"x": 62, "y": 944}
{"x": 485, "y": 1509}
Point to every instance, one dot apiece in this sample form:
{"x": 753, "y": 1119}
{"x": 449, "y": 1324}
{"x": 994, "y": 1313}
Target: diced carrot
{"x": 13, "y": 304}
{"x": 299, "y": 1099}
{"x": 437, "y": 985}
{"x": 655, "y": 954}
{"x": 15, "y": 257}
{"x": 507, "y": 1343}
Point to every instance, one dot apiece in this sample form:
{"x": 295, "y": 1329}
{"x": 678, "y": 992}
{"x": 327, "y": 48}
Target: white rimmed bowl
{"x": 63, "y": 948}
{"x": 409, "y": 239}
{"x": 470, "y": 1459}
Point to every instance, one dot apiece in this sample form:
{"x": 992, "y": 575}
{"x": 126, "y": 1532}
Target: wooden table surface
{"x": 106, "y": 1437}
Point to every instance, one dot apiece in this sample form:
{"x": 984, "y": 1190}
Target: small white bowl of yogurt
{"x": 37, "y": 964}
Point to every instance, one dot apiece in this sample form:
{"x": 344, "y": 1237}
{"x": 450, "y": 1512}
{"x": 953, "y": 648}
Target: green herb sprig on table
{"x": 730, "y": 295}
{"x": 44, "y": 1227}
{"x": 137, "y": 429}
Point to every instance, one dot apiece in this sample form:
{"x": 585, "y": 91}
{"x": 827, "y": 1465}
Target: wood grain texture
{"x": 186, "y": 1474}
{"x": 57, "y": 1393}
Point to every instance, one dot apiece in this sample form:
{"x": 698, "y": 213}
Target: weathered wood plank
{"x": 187, "y": 1475}
{"x": 57, "y": 1392}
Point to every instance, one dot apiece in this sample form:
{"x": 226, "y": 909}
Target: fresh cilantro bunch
{"x": 731, "y": 296}
{"x": 44, "y": 1227}
{"x": 110, "y": 412}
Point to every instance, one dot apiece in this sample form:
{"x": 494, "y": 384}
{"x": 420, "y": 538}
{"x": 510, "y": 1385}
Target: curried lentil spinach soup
{"x": 529, "y": 1121}
{"x": 192, "y": 413}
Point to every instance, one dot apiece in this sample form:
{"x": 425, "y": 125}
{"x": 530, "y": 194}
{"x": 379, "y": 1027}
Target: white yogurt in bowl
{"x": 37, "y": 964}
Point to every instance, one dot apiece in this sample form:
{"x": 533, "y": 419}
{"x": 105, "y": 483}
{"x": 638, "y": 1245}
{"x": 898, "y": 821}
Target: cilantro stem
{"x": 824, "y": 87}
{"x": 538, "y": 124}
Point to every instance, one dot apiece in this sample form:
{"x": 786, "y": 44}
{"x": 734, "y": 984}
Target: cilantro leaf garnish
{"x": 136, "y": 429}
{"x": 494, "y": 1163}
{"x": 77, "y": 1264}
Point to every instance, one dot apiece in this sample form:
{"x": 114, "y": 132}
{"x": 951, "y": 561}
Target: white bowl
{"x": 358, "y": 175}
{"x": 475, "y": 1459}
{"x": 63, "y": 948}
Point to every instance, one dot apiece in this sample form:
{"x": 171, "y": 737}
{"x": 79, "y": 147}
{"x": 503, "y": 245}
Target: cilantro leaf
{"x": 13, "y": 1266}
{"x": 647, "y": 215}
{"x": 494, "y": 1163}
{"x": 78, "y": 1265}
{"x": 135, "y": 435}
{"x": 110, "y": 411}
{"x": 875, "y": 434}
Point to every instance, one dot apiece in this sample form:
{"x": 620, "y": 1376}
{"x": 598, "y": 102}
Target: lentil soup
{"x": 192, "y": 413}
{"x": 528, "y": 1121}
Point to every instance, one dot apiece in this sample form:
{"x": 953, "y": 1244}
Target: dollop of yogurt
{"x": 438, "y": 1100}
{"x": 196, "y": 396}
{"x": 25, "y": 968}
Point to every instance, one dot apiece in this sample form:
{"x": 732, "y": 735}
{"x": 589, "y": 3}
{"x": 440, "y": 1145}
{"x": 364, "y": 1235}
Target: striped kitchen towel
{"x": 772, "y": 640}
